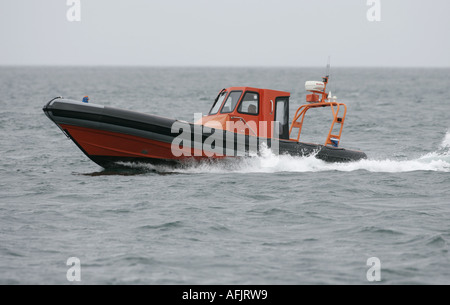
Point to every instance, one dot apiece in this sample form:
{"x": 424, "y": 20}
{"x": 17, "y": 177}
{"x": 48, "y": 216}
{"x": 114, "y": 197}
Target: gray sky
{"x": 225, "y": 33}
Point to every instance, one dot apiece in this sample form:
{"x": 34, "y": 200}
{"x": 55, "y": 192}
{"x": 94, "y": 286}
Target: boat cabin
{"x": 265, "y": 113}
{"x": 251, "y": 111}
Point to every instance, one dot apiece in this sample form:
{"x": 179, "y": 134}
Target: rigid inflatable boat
{"x": 240, "y": 122}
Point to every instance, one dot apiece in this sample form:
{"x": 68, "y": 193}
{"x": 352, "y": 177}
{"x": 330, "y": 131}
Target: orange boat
{"x": 240, "y": 121}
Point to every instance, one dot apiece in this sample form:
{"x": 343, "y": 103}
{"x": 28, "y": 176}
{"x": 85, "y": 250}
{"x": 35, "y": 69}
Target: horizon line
{"x": 215, "y": 66}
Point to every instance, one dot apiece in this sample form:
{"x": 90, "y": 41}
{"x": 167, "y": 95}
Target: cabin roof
{"x": 259, "y": 90}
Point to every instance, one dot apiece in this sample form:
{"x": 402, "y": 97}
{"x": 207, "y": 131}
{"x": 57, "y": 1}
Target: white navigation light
{"x": 314, "y": 86}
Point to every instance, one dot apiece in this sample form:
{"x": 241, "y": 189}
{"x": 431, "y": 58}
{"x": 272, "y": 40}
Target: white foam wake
{"x": 267, "y": 162}
{"x": 446, "y": 142}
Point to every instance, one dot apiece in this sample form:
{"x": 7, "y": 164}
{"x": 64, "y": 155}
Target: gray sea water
{"x": 262, "y": 220}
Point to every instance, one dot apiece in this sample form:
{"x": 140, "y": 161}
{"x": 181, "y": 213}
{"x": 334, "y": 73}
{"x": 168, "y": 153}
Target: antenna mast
{"x": 325, "y": 79}
{"x": 328, "y": 66}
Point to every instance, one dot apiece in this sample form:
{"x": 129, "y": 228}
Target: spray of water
{"x": 267, "y": 162}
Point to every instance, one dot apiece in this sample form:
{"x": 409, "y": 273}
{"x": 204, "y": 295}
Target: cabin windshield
{"x": 219, "y": 100}
{"x": 231, "y": 102}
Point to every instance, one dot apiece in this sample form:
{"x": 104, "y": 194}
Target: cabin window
{"x": 282, "y": 117}
{"x": 219, "y": 100}
{"x": 231, "y": 102}
{"x": 249, "y": 104}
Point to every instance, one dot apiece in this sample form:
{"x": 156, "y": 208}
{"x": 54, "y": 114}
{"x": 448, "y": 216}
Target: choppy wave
{"x": 267, "y": 162}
